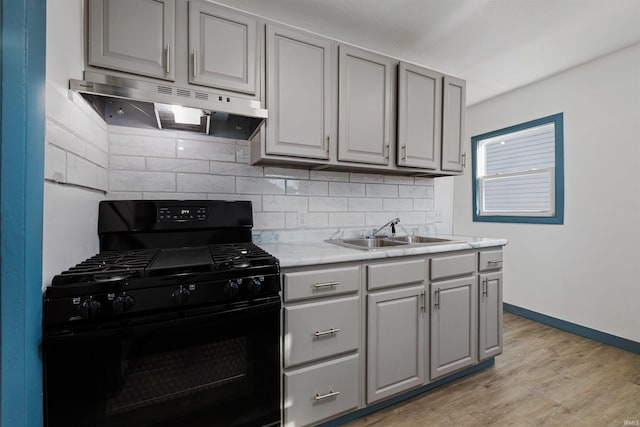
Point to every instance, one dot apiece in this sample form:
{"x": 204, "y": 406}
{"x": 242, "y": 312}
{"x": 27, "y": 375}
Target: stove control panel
{"x": 181, "y": 213}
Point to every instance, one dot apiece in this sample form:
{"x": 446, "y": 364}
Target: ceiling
{"x": 495, "y": 45}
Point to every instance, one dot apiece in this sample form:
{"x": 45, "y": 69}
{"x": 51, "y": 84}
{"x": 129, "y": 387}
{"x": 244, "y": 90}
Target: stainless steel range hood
{"x": 128, "y": 102}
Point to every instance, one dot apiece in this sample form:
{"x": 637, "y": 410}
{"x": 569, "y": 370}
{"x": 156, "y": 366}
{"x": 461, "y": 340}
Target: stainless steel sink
{"x": 388, "y": 242}
{"x": 419, "y": 239}
{"x": 367, "y": 243}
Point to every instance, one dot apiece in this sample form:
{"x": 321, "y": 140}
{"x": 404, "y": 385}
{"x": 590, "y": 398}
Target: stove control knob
{"x": 231, "y": 288}
{"x": 89, "y": 308}
{"x": 122, "y": 303}
{"x": 254, "y": 286}
{"x": 181, "y": 295}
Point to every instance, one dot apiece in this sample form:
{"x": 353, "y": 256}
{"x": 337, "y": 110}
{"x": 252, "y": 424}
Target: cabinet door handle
{"x": 167, "y": 59}
{"x": 496, "y": 262}
{"x": 404, "y": 152}
{"x": 463, "y": 160}
{"x": 327, "y": 332}
{"x": 195, "y": 62}
{"x": 328, "y": 395}
{"x": 386, "y": 151}
{"x": 329, "y": 145}
{"x": 423, "y": 301}
{"x": 485, "y": 288}
{"x": 436, "y": 302}
{"x": 326, "y": 285}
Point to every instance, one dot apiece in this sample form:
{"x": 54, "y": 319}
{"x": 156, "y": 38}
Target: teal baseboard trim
{"x": 574, "y": 328}
{"x": 404, "y": 396}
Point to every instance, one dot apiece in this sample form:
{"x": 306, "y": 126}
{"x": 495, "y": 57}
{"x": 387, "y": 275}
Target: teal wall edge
{"x": 574, "y": 328}
{"x": 404, "y": 396}
{"x": 22, "y": 60}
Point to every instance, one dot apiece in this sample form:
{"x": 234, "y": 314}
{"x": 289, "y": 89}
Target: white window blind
{"x": 516, "y": 172}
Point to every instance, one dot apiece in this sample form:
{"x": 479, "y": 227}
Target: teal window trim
{"x": 558, "y": 217}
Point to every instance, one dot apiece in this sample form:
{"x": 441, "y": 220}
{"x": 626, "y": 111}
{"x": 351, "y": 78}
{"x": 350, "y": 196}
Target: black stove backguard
{"x": 176, "y": 322}
{"x": 141, "y": 224}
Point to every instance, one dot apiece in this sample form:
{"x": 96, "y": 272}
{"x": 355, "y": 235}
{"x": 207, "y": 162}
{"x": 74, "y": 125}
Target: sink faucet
{"x": 391, "y": 223}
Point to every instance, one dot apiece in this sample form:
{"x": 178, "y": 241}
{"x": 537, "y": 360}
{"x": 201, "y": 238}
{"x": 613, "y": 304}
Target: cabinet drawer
{"x": 451, "y": 266}
{"x": 396, "y": 273}
{"x": 321, "y": 329}
{"x": 321, "y": 391}
{"x": 318, "y": 283}
{"x": 490, "y": 260}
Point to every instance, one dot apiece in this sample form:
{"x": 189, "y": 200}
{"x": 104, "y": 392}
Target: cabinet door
{"x": 453, "y": 113}
{"x": 298, "y": 93}
{"x": 419, "y": 116}
{"x": 364, "y": 111}
{"x": 395, "y": 338}
{"x": 222, "y": 48}
{"x": 490, "y": 315}
{"x": 134, "y": 36}
{"x": 453, "y": 325}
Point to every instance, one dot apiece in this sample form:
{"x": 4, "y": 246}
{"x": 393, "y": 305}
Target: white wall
{"x": 586, "y": 271}
{"x": 76, "y": 150}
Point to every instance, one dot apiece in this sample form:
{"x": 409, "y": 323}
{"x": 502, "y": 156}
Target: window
{"x": 518, "y": 173}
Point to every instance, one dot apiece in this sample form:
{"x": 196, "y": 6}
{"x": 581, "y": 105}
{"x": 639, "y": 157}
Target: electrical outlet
{"x": 437, "y": 215}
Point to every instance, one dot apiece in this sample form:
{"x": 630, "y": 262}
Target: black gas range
{"x": 176, "y": 320}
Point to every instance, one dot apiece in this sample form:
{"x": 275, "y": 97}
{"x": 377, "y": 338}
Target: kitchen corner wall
{"x": 150, "y": 164}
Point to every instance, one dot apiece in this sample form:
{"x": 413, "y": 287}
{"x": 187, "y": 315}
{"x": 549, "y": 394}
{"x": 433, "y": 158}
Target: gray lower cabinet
{"x": 366, "y": 87}
{"x": 321, "y": 391}
{"x": 489, "y": 315}
{"x": 395, "y": 341}
{"x": 453, "y": 325}
{"x": 298, "y": 93}
{"x": 134, "y": 36}
{"x": 222, "y": 48}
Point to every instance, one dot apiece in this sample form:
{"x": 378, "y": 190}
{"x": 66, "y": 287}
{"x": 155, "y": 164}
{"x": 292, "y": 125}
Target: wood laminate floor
{"x": 544, "y": 377}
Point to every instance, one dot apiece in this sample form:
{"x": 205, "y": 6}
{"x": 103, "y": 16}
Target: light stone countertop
{"x": 297, "y": 254}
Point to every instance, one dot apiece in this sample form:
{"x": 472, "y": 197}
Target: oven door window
{"x": 220, "y": 369}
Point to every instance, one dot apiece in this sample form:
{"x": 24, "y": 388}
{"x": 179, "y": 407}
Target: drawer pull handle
{"x": 328, "y": 332}
{"x": 496, "y": 261}
{"x": 326, "y": 285}
{"x": 328, "y": 395}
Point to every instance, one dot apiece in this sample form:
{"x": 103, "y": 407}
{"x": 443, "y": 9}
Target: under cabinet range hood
{"x": 135, "y": 103}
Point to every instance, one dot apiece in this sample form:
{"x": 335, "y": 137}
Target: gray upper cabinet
{"x": 453, "y": 115}
{"x": 419, "y": 116}
{"x": 365, "y": 83}
{"x": 453, "y": 325}
{"x": 134, "y": 36}
{"x": 222, "y": 48}
{"x": 490, "y": 315}
{"x": 298, "y": 93}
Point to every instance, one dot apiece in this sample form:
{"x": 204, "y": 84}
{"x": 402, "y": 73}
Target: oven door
{"x": 200, "y": 368}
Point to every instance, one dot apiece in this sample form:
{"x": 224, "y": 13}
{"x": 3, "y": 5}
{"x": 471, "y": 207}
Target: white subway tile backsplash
{"x": 329, "y": 176}
{"x": 284, "y": 203}
{"x": 177, "y": 165}
{"x": 141, "y": 181}
{"x": 346, "y": 189}
{"x": 243, "y": 154}
{"x": 173, "y": 196}
{"x": 291, "y": 220}
{"x": 377, "y": 219}
{"x": 142, "y": 132}
{"x": 268, "y": 220}
{"x": 124, "y": 195}
{"x": 138, "y": 145}
{"x": 307, "y": 188}
{"x": 85, "y": 173}
{"x": 415, "y": 191}
{"x": 127, "y": 162}
{"x": 55, "y": 167}
{"x": 236, "y": 169}
{"x": 260, "y": 185}
{"x": 412, "y": 218}
{"x": 346, "y": 219}
{"x": 317, "y": 219}
{"x": 206, "y": 150}
{"x": 382, "y": 190}
{"x": 328, "y": 204}
{"x": 421, "y": 180}
{"x": 61, "y": 137}
{"x": 366, "y": 177}
{"x": 422, "y": 204}
{"x": 96, "y": 155}
{"x": 430, "y": 192}
{"x": 199, "y": 183}
{"x": 393, "y": 179}
{"x": 362, "y": 204}
{"x": 389, "y": 205}
{"x": 292, "y": 173}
